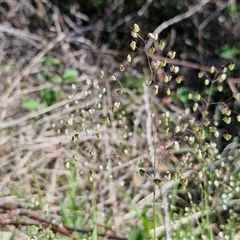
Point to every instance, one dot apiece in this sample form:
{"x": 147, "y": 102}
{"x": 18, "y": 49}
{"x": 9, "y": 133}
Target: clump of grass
{"x": 198, "y": 190}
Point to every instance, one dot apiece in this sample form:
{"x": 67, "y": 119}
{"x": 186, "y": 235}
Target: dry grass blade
{"x": 41, "y": 111}
{"x": 166, "y": 24}
{"x": 18, "y": 33}
{"x": 36, "y": 60}
{"x": 102, "y": 144}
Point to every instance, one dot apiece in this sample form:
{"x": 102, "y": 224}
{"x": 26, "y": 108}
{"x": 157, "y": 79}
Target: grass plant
{"x": 128, "y": 153}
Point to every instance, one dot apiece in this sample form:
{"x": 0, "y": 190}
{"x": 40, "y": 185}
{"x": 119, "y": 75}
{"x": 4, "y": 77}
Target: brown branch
{"x": 45, "y": 223}
{"x": 53, "y": 227}
{"x": 61, "y": 229}
{"x": 198, "y": 7}
{"x": 187, "y": 64}
{"x": 177, "y": 62}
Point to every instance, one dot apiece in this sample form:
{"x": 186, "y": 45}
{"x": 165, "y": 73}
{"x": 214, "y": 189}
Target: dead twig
{"x": 184, "y": 63}
{"x": 176, "y": 19}
{"x": 30, "y": 37}
{"x": 42, "y": 111}
{"x": 205, "y": 23}
{"x": 232, "y": 84}
{"x": 27, "y": 70}
{"x": 56, "y": 228}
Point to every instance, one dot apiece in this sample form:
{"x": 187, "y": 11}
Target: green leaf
{"x": 146, "y": 223}
{"x": 50, "y": 96}
{"x": 32, "y": 105}
{"x": 51, "y": 62}
{"x": 70, "y": 75}
{"x": 40, "y": 76}
{"x": 55, "y": 79}
{"x": 229, "y": 52}
{"x": 94, "y": 233}
{"x": 2, "y": 67}
{"x": 182, "y": 94}
{"x": 136, "y": 234}
{"x": 133, "y": 84}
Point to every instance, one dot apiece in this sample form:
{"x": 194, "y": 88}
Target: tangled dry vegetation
{"x": 33, "y": 170}
{"x": 54, "y": 168}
